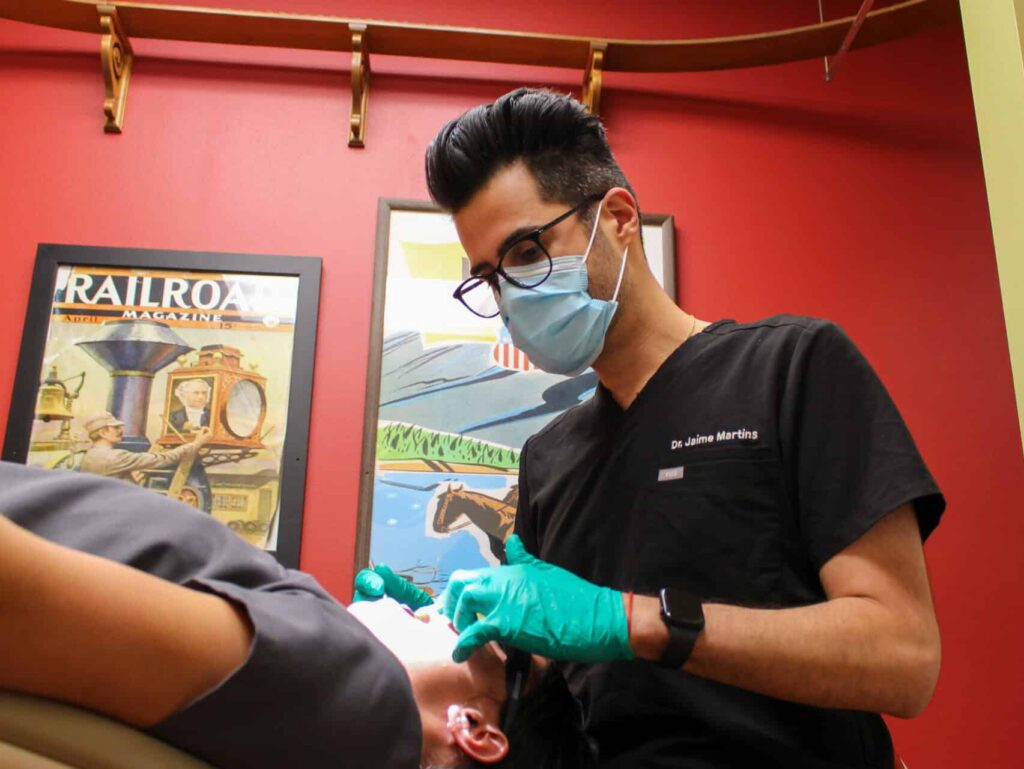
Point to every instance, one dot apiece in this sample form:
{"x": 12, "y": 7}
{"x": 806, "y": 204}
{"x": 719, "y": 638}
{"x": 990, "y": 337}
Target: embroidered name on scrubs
{"x": 721, "y": 436}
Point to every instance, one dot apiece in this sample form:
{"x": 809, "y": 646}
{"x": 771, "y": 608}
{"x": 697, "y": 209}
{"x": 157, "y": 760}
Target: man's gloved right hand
{"x": 372, "y": 584}
{"x": 537, "y": 607}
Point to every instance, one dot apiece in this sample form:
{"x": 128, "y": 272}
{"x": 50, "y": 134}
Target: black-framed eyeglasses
{"x": 479, "y": 293}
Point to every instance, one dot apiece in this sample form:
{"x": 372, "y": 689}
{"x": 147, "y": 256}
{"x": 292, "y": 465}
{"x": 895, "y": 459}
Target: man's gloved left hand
{"x": 371, "y": 584}
{"x": 537, "y": 607}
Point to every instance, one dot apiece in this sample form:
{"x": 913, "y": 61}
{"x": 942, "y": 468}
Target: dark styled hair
{"x": 547, "y": 732}
{"x": 562, "y": 144}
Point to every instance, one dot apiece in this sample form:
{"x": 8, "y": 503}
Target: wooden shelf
{"x": 328, "y": 33}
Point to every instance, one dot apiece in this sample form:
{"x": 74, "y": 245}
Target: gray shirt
{"x": 318, "y": 690}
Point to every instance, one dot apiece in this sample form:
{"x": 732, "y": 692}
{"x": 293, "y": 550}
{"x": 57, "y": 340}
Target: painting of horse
{"x": 458, "y": 508}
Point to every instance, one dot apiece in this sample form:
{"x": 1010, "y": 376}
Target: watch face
{"x": 681, "y": 608}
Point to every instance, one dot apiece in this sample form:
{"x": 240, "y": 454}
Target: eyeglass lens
{"x": 479, "y": 296}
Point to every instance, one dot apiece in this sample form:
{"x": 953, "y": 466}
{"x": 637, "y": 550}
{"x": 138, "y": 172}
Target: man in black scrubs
{"x": 727, "y": 538}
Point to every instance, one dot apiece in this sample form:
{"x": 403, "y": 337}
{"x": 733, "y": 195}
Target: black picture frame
{"x": 661, "y": 226}
{"x": 51, "y": 256}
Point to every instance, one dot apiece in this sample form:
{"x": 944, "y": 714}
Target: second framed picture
{"x": 450, "y": 401}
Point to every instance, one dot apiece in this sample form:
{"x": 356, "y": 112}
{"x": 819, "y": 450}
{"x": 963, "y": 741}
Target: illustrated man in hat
{"x": 104, "y": 458}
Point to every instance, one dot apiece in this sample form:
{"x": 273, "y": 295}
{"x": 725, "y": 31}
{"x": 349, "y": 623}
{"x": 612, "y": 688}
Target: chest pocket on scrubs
{"x": 711, "y": 527}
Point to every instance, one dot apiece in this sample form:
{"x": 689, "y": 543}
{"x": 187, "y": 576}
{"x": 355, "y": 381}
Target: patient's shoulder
{"x": 139, "y": 527}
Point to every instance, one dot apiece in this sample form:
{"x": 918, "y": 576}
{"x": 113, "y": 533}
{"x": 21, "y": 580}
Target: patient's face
{"x": 425, "y": 638}
{"x": 454, "y": 699}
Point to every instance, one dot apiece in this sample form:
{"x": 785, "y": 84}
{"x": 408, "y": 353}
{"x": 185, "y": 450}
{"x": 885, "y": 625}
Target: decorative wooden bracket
{"x": 116, "y": 56}
{"x": 592, "y": 79}
{"x": 360, "y": 86}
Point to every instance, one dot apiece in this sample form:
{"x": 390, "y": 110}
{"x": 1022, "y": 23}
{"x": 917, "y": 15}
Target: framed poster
{"x": 187, "y": 373}
{"x": 449, "y": 403}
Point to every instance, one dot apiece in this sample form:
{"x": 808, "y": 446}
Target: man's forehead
{"x": 509, "y": 201}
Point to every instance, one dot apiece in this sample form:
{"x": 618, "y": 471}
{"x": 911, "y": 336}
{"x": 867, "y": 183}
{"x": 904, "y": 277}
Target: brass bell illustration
{"x": 53, "y": 404}
{"x": 54, "y": 399}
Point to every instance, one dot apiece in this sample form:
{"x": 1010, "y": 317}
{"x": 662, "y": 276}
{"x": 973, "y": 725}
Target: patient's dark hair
{"x": 547, "y": 731}
{"x": 562, "y": 144}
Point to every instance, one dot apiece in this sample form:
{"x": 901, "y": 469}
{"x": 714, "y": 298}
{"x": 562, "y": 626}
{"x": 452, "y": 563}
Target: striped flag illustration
{"x": 507, "y": 355}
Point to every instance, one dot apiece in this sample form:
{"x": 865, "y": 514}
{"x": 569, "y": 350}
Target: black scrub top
{"x": 754, "y": 454}
{"x": 318, "y": 690}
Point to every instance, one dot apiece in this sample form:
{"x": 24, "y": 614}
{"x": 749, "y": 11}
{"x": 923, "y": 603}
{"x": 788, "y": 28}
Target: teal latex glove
{"x": 372, "y": 584}
{"x": 537, "y": 607}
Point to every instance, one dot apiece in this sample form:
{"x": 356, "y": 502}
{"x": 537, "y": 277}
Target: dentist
{"x": 723, "y": 547}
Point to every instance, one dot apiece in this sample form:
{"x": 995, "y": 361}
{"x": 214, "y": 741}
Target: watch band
{"x": 683, "y": 615}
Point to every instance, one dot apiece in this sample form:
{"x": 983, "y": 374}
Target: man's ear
{"x": 621, "y": 205}
{"x": 477, "y": 737}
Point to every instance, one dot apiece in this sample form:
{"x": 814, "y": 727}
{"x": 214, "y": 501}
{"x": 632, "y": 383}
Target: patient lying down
{"x": 124, "y": 602}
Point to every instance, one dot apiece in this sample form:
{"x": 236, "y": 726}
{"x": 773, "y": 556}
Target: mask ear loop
{"x": 590, "y": 245}
{"x": 622, "y": 269}
{"x": 593, "y": 234}
{"x": 622, "y": 272}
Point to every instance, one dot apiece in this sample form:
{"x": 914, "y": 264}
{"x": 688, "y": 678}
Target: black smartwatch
{"x": 683, "y": 615}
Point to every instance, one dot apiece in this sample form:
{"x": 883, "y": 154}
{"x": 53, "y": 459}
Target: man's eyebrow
{"x": 504, "y": 246}
{"x": 511, "y": 238}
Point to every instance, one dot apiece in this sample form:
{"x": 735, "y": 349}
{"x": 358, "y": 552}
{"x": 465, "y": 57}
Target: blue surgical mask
{"x": 558, "y": 324}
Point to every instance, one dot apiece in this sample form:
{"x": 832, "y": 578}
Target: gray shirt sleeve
{"x": 318, "y": 690}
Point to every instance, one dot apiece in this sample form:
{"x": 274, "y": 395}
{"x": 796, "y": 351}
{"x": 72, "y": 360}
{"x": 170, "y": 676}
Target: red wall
{"x": 862, "y": 200}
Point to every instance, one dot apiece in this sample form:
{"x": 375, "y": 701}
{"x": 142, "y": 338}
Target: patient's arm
{"x": 106, "y": 636}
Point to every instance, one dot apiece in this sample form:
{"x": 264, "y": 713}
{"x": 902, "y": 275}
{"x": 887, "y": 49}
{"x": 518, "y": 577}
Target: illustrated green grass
{"x": 398, "y": 441}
